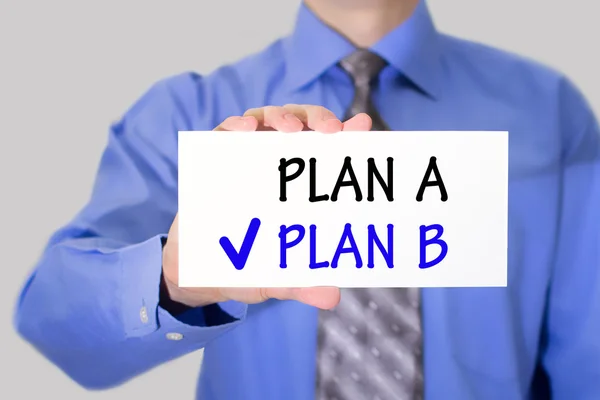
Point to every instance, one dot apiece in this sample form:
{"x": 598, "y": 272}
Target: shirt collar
{"x": 413, "y": 49}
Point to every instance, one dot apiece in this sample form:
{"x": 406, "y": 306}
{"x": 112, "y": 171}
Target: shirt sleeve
{"x": 571, "y": 353}
{"x": 91, "y": 305}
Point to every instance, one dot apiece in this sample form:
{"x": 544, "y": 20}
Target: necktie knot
{"x": 363, "y": 66}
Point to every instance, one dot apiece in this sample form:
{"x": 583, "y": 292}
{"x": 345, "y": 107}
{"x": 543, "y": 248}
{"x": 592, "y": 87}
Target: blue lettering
{"x": 424, "y": 242}
{"x": 374, "y": 239}
{"x": 347, "y": 235}
{"x": 283, "y": 243}
{"x": 313, "y": 250}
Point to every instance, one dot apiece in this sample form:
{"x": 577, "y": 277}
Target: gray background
{"x": 69, "y": 68}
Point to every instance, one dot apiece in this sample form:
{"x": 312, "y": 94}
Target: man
{"x": 104, "y": 306}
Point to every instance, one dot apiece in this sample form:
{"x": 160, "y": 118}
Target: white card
{"x": 235, "y": 230}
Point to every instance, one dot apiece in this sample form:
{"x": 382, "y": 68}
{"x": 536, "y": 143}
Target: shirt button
{"x": 144, "y": 315}
{"x": 174, "y": 336}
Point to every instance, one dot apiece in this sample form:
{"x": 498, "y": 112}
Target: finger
{"x": 173, "y": 234}
{"x": 322, "y": 120}
{"x": 320, "y": 297}
{"x": 275, "y": 118}
{"x": 316, "y": 118}
{"x": 245, "y": 124}
{"x": 360, "y": 122}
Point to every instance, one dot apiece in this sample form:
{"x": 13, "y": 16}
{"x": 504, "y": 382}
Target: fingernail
{"x": 290, "y": 117}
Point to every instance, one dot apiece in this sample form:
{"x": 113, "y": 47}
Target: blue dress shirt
{"x": 92, "y": 304}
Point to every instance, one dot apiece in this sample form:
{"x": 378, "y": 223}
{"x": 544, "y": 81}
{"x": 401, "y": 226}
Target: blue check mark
{"x": 238, "y": 259}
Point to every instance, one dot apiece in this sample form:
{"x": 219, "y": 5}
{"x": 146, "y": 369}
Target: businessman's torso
{"x": 482, "y": 342}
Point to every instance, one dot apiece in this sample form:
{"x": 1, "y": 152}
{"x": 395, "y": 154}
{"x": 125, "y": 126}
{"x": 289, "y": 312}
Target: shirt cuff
{"x": 141, "y": 267}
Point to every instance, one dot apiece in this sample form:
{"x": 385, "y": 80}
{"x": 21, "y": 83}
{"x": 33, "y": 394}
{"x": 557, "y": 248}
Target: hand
{"x": 289, "y": 118}
{"x": 294, "y": 118}
{"x": 321, "y": 297}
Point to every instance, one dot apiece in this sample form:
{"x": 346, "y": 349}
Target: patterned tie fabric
{"x": 363, "y": 67}
{"x": 369, "y": 346}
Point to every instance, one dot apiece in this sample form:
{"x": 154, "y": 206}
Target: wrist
{"x": 168, "y": 301}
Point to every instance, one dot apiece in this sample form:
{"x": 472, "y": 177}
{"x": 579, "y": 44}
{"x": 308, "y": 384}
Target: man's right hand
{"x": 289, "y": 118}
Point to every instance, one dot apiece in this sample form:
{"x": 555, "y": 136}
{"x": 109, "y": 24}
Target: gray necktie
{"x": 369, "y": 346}
{"x": 363, "y": 67}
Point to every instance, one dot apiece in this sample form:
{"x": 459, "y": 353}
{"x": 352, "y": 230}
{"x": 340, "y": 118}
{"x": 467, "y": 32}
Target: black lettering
{"x": 432, "y": 167}
{"x": 284, "y": 178}
{"x": 388, "y": 188}
{"x": 347, "y": 168}
{"x": 313, "y": 198}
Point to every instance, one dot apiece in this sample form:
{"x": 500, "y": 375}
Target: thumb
{"x": 320, "y": 297}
